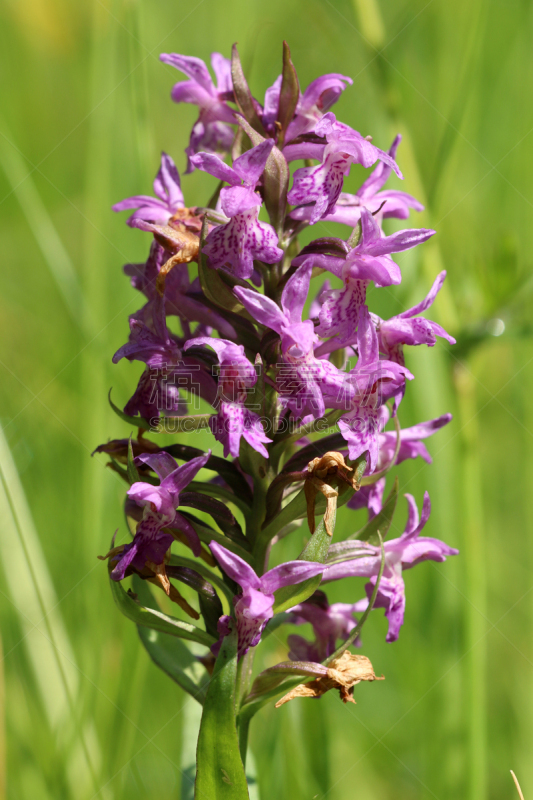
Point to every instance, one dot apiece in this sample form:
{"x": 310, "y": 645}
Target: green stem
{"x": 293, "y": 510}
{"x": 244, "y": 729}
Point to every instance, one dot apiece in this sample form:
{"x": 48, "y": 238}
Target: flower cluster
{"x": 227, "y": 345}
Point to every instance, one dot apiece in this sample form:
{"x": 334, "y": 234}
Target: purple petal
{"x": 250, "y": 165}
{"x": 380, "y": 174}
{"x": 145, "y": 494}
{"x": 226, "y": 351}
{"x": 363, "y": 567}
{"x": 161, "y": 463}
{"x": 222, "y": 69}
{"x": 426, "y": 549}
{"x": 236, "y": 244}
{"x": 214, "y": 165}
{"x": 191, "y": 92}
{"x": 254, "y": 432}
{"x": 238, "y": 199}
{"x": 184, "y": 526}
{"x": 339, "y": 314}
{"x": 360, "y": 429}
{"x": 140, "y": 201}
{"x": 167, "y": 184}
{"x": 270, "y": 110}
{"x": 182, "y": 476}
{"x": 228, "y": 427}
{"x": 288, "y": 574}
{"x": 367, "y": 340}
{"x": 324, "y": 91}
{"x": 261, "y": 308}
{"x": 194, "y": 68}
{"x": 397, "y": 242}
{"x": 370, "y": 497}
{"x": 234, "y": 566}
{"x": 300, "y": 152}
{"x": 413, "y": 517}
{"x": 425, "y": 429}
{"x": 391, "y": 597}
{"x": 296, "y": 291}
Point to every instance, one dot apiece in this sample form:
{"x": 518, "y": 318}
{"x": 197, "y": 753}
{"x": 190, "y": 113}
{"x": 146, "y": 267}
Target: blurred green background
{"x": 85, "y": 113}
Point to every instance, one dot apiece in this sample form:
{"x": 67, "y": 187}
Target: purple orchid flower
{"x": 306, "y": 384}
{"x": 388, "y": 203}
{"x": 411, "y": 444}
{"x": 167, "y": 371}
{"x": 369, "y": 497}
{"x": 369, "y": 260}
{"x": 169, "y": 197}
{"x": 330, "y": 623}
{"x": 233, "y": 420}
{"x": 400, "y": 554}
{"x": 212, "y": 130}
{"x": 253, "y": 608}
{"x": 323, "y": 184}
{"x": 271, "y": 107}
{"x": 150, "y": 340}
{"x": 159, "y": 505}
{"x": 366, "y": 417}
{"x": 408, "y": 328}
{"x": 182, "y": 298}
{"x": 243, "y": 238}
{"x": 317, "y": 99}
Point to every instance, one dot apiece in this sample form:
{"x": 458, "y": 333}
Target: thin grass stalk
{"x": 35, "y": 601}
{"x": 476, "y": 584}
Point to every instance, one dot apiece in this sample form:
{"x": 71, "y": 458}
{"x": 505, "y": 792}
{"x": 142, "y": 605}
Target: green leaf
{"x": 276, "y": 182}
{"x": 219, "y": 769}
{"x": 171, "y": 654}
{"x": 243, "y": 96}
{"x": 381, "y": 522}
{"x": 151, "y": 618}
{"x": 355, "y": 236}
{"x": 316, "y": 549}
{"x": 137, "y": 422}
{"x": 289, "y": 94}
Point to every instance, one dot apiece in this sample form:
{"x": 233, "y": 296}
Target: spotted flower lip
{"x": 361, "y": 425}
{"x": 253, "y": 608}
{"x": 305, "y": 383}
{"x": 370, "y": 260}
{"x": 400, "y": 554}
{"x": 168, "y": 200}
{"x": 233, "y": 420}
{"x": 212, "y": 131}
{"x": 236, "y": 244}
{"x": 385, "y": 203}
{"x": 323, "y": 184}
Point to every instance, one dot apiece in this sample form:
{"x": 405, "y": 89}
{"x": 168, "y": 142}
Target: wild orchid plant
{"x": 234, "y": 335}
